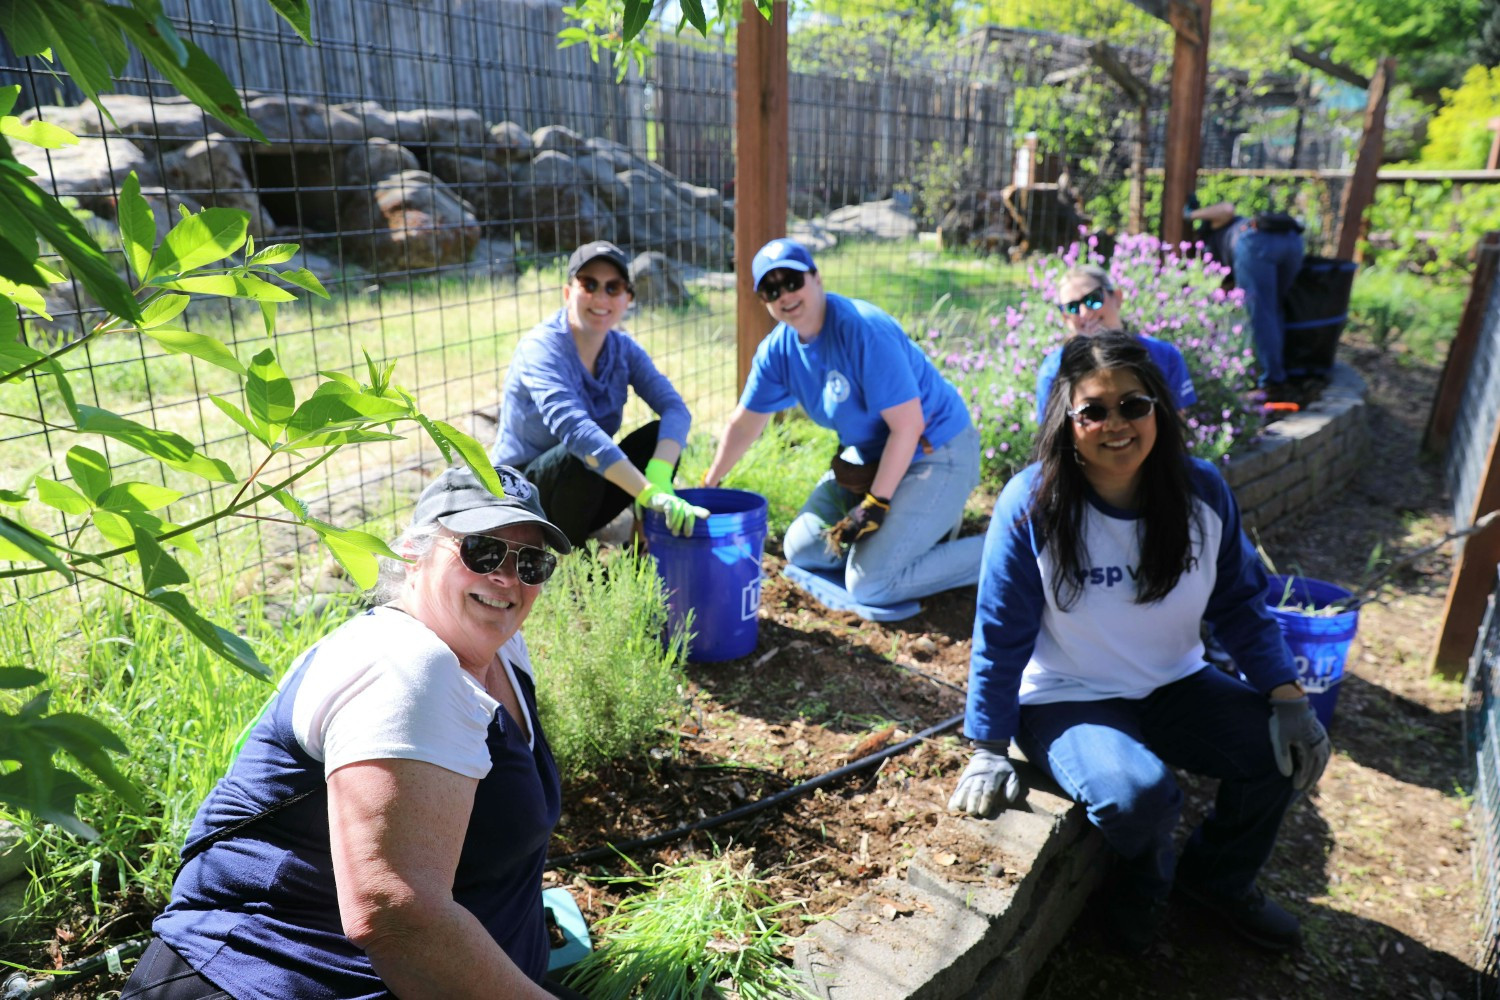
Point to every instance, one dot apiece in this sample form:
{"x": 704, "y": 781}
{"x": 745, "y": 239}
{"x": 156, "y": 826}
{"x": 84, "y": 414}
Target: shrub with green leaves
{"x": 606, "y": 682}
{"x": 697, "y": 929}
{"x": 1391, "y": 306}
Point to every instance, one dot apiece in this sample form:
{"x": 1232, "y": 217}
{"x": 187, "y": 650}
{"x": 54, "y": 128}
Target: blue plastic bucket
{"x": 1320, "y": 643}
{"x": 714, "y": 572}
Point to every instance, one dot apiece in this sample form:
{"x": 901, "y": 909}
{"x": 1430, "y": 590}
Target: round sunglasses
{"x": 485, "y": 554}
{"x": 612, "y": 287}
{"x": 1093, "y": 300}
{"x": 770, "y": 291}
{"x": 1132, "y": 409}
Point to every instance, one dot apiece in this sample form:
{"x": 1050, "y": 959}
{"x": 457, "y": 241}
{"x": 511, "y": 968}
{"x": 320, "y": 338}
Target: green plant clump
{"x": 606, "y": 683}
{"x": 699, "y": 929}
{"x": 1392, "y": 306}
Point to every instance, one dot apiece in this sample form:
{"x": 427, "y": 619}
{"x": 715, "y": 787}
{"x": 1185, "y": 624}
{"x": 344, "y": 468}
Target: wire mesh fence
{"x": 437, "y": 161}
{"x": 1482, "y": 723}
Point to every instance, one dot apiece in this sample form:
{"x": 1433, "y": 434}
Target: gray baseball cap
{"x": 460, "y": 502}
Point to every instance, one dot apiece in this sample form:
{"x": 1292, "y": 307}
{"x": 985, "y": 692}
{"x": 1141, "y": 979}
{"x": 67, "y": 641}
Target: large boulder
{"x": 657, "y": 280}
{"x": 655, "y": 216}
{"x": 415, "y": 222}
{"x": 377, "y": 120}
{"x": 367, "y": 162}
{"x": 91, "y": 171}
{"x": 558, "y": 139}
{"x": 456, "y": 128}
{"x": 292, "y": 123}
{"x": 889, "y": 219}
{"x": 599, "y": 175}
{"x": 549, "y": 203}
{"x": 509, "y": 142}
{"x": 211, "y": 171}
{"x": 495, "y": 258}
{"x": 706, "y": 199}
{"x": 171, "y": 122}
{"x": 482, "y": 182}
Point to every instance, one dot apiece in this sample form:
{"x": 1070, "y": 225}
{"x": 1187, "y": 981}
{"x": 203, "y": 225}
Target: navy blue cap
{"x": 461, "y": 503}
{"x": 781, "y": 253}
{"x": 598, "y": 250}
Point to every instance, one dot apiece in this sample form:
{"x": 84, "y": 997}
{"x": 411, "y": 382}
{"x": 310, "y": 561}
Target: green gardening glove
{"x": 680, "y": 515}
{"x": 659, "y": 474}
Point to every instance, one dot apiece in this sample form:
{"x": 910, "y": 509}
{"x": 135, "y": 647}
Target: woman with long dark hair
{"x": 1102, "y": 559}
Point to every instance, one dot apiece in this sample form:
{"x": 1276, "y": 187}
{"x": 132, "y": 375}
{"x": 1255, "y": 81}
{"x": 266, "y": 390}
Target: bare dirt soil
{"x": 1376, "y": 863}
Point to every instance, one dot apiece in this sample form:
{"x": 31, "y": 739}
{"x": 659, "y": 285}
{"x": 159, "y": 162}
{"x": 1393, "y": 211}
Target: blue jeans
{"x": 1265, "y": 264}
{"x": 908, "y": 556}
{"x": 1115, "y": 756}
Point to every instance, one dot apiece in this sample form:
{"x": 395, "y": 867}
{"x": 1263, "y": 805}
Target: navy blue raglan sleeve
{"x": 1237, "y": 609}
{"x": 1009, "y": 615}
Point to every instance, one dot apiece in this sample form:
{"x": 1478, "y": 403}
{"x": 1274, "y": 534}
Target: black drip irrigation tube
{"x": 18, "y": 987}
{"x": 751, "y": 808}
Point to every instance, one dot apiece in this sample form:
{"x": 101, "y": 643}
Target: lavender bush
{"x": 1172, "y": 297}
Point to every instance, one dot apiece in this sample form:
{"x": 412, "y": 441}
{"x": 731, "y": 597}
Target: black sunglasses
{"x": 612, "y": 287}
{"x": 485, "y": 554}
{"x": 770, "y": 291}
{"x": 1132, "y": 409}
{"x": 1093, "y": 300}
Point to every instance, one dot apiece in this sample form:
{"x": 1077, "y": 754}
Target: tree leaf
{"x": 297, "y": 14}
{"x": 22, "y": 199}
{"x": 276, "y": 253}
{"x": 117, "y": 531}
{"x": 240, "y": 417}
{"x": 61, "y": 496}
{"x": 234, "y": 286}
{"x": 637, "y": 14}
{"x": 36, "y": 546}
{"x": 295, "y": 507}
{"x": 14, "y": 357}
{"x": 15, "y": 678}
{"x": 473, "y": 454}
{"x": 339, "y": 411}
{"x": 43, "y": 134}
{"x": 89, "y": 742}
{"x": 303, "y": 279}
{"x": 163, "y": 309}
{"x": 8, "y": 97}
{"x": 221, "y": 641}
{"x": 91, "y": 470}
{"x": 73, "y": 42}
{"x": 268, "y": 317}
{"x": 214, "y": 470}
{"x": 363, "y": 567}
{"x": 202, "y": 238}
{"x": 47, "y": 792}
{"x": 344, "y": 379}
{"x": 157, "y": 568}
{"x": 137, "y": 229}
{"x": 199, "y": 345}
{"x": 164, "y": 445}
{"x": 269, "y": 394}
{"x": 135, "y": 496}
{"x": 693, "y": 11}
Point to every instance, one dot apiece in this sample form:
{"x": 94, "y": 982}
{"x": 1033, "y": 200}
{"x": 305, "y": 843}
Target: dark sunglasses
{"x": 485, "y": 554}
{"x": 1093, "y": 300}
{"x": 1132, "y": 409}
{"x": 770, "y": 291}
{"x": 612, "y": 287}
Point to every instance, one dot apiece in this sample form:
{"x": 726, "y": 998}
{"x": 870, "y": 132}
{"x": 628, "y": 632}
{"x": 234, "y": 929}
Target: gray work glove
{"x": 986, "y": 784}
{"x": 1299, "y": 742}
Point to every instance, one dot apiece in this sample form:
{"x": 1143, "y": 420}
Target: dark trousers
{"x": 1116, "y": 757}
{"x": 162, "y": 974}
{"x": 579, "y": 500}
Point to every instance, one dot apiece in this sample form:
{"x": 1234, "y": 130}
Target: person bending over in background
{"x": 564, "y": 401}
{"x": 1089, "y": 301}
{"x": 891, "y": 505}
{"x": 1264, "y": 252}
{"x": 1102, "y": 558}
{"x": 383, "y": 827}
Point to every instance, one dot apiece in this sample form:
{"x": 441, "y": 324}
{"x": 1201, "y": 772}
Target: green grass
{"x": 696, "y": 924}
{"x": 1410, "y": 312}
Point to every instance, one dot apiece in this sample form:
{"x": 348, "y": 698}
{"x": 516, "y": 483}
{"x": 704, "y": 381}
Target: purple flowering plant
{"x": 1170, "y": 294}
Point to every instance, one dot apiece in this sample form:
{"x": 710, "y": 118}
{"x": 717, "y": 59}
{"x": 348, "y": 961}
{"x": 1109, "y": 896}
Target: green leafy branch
{"x": 618, "y": 26}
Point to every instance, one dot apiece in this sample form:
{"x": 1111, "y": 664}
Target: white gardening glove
{"x": 1299, "y": 741}
{"x": 680, "y": 515}
{"x": 988, "y": 782}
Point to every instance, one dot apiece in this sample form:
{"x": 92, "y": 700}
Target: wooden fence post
{"x": 760, "y": 164}
{"x": 1360, "y": 190}
{"x": 1190, "y": 21}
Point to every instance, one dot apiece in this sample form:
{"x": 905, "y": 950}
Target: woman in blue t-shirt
{"x": 890, "y": 509}
{"x": 383, "y": 829}
{"x": 1101, "y": 560}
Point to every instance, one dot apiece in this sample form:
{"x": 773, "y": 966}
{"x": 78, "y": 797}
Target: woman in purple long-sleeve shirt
{"x": 564, "y": 402}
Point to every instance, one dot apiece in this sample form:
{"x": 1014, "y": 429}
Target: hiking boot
{"x": 1254, "y": 916}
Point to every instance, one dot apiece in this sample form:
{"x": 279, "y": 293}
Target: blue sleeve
{"x": 1180, "y": 380}
{"x": 658, "y": 393}
{"x": 550, "y": 381}
{"x": 766, "y": 390}
{"x": 1237, "y": 608}
{"x": 1008, "y": 616}
{"x": 1045, "y": 375}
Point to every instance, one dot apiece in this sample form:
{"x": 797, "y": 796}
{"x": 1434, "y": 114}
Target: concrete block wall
{"x": 979, "y": 924}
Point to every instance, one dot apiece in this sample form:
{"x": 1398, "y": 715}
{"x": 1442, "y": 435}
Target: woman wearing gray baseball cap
{"x": 383, "y": 828}
{"x": 564, "y": 402}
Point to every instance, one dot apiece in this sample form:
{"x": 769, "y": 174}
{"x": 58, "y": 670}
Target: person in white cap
{"x": 564, "y": 402}
{"x": 888, "y": 509}
{"x": 383, "y": 828}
